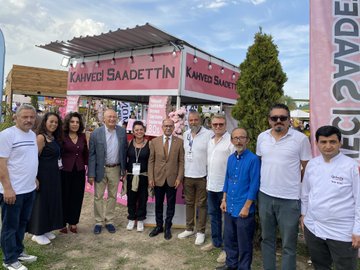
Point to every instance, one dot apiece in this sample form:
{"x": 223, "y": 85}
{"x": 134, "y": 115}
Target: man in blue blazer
{"x": 107, "y": 163}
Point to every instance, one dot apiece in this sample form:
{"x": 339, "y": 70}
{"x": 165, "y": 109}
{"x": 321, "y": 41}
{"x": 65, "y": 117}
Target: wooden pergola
{"x": 33, "y": 81}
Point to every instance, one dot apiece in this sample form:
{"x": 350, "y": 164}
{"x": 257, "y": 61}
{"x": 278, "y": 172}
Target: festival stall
{"x": 145, "y": 64}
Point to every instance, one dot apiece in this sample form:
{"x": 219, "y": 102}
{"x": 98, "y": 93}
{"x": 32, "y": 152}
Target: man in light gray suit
{"x": 107, "y": 163}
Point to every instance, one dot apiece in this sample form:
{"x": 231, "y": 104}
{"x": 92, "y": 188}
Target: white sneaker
{"x": 185, "y": 234}
{"x": 26, "y": 258}
{"x": 130, "y": 225}
{"x": 15, "y": 266}
{"x": 50, "y": 235}
{"x": 140, "y": 226}
{"x": 200, "y": 239}
{"x": 222, "y": 257}
{"x": 41, "y": 239}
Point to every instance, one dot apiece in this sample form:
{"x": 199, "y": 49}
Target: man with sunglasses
{"x": 284, "y": 153}
{"x": 219, "y": 150}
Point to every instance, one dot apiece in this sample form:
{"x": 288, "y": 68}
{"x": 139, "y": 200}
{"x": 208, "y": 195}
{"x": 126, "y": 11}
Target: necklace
{"x": 141, "y": 144}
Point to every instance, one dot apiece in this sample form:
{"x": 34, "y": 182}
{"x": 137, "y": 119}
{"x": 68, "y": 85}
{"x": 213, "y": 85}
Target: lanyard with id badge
{"x": 189, "y": 154}
{"x": 136, "y": 167}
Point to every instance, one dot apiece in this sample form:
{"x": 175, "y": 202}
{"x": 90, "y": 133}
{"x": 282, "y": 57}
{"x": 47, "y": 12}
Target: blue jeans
{"x": 214, "y": 211}
{"x": 284, "y": 213}
{"x": 14, "y": 220}
{"x": 238, "y": 240}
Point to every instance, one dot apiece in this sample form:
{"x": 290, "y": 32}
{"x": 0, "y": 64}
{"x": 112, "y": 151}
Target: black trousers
{"x": 160, "y": 193}
{"x": 326, "y": 252}
{"x": 137, "y": 201}
{"x": 73, "y": 186}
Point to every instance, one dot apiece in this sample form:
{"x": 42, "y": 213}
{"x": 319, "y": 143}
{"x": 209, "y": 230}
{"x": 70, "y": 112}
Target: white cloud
{"x": 257, "y": 2}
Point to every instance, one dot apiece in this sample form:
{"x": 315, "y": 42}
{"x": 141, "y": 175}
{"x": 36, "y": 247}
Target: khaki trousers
{"x": 104, "y": 211}
{"x": 195, "y": 197}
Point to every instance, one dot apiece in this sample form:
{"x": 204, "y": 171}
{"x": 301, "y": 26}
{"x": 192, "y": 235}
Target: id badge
{"x": 60, "y": 163}
{"x": 189, "y": 156}
{"x": 136, "y": 169}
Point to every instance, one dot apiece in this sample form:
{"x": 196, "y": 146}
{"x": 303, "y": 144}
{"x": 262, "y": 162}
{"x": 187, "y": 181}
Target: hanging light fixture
{"x": 131, "y": 58}
{"x": 97, "y": 64}
{"x": 233, "y": 76}
{"x": 222, "y": 70}
{"x": 174, "y": 53}
{"x": 83, "y": 62}
{"x": 113, "y": 61}
{"x": 151, "y": 58}
{"x": 210, "y": 64}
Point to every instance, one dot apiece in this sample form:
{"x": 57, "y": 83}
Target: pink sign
{"x": 72, "y": 104}
{"x": 335, "y": 70}
{"x": 160, "y": 74}
{"x": 217, "y": 80}
{"x": 156, "y": 114}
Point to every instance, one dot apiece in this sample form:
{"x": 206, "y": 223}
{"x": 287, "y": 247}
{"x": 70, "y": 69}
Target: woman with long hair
{"x": 47, "y": 214}
{"x": 74, "y": 155}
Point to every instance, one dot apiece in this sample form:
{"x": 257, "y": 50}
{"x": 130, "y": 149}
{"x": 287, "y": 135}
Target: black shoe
{"x": 156, "y": 231}
{"x": 97, "y": 229}
{"x": 110, "y": 228}
{"x": 167, "y": 234}
{"x": 225, "y": 267}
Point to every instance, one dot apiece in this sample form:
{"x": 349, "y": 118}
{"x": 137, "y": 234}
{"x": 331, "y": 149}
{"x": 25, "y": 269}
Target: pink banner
{"x": 72, "y": 104}
{"x": 335, "y": 70}
{"x": 215, "y": 80}
{"x": 160, "y": 74}
{"x": 156, "y": 114}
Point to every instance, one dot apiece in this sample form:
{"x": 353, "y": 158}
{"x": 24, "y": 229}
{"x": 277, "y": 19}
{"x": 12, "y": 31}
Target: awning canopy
{"x": 299, "y": 114}
{"x": 137, "y": 38}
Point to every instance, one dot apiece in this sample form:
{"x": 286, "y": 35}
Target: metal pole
{"x": 2, "y": 63}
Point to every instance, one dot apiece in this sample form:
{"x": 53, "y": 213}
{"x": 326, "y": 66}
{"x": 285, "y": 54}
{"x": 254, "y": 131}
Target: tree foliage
{"x": 289, "y": 101}
{"x": 260, "y": 86}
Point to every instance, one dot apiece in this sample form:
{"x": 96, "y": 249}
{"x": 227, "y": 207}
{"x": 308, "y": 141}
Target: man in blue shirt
{"x": 241, "y": 186}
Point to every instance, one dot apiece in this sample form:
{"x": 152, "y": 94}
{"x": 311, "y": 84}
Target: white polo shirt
{"x": 21, "y": 151}
{"x": 330, "y": 198}
{"x": 196, "y": 152}
{"x": 218, "y": 154}
{"x": 280, "y": 163}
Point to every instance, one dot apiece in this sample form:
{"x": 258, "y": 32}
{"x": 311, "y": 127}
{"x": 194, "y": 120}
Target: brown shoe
{"x": 73, "y": 229}
{"x": 64, "y": 230}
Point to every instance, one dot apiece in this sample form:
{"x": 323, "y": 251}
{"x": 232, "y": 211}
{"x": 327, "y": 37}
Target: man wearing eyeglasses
{"x": 240, "y": 191}
{"x": 165, "y": 174}
{"x": 219, "y": 150}
{"x": 284, "y": 154}
{"x": 195, "y": 145}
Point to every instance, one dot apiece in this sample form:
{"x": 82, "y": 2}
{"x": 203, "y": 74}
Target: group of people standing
{"x": 220, "y": 177}
{"x": 42, "y": 179}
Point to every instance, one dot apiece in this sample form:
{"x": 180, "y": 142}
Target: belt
{"x": 112, "y": 165}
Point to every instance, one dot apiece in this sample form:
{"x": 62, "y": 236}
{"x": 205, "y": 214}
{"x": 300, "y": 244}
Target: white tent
{"x": 299, "y": 114}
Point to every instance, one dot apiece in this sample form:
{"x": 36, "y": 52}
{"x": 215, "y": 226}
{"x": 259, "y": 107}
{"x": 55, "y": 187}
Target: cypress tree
{"x": 260, "y": 86}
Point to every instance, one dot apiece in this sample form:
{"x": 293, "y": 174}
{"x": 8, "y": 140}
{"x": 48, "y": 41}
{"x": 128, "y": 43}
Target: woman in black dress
{"x": 75, "y": 156}
{"x": 47, "y": 214}
{"x": 137, "y": 180}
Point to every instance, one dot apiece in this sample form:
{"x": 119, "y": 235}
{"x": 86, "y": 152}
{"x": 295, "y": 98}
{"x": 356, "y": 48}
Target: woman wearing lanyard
{"x": 137, "y": 180}
{"x": 47, "y": 213}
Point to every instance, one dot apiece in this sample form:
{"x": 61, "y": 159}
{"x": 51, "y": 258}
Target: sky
{"x": 224, "y": 28}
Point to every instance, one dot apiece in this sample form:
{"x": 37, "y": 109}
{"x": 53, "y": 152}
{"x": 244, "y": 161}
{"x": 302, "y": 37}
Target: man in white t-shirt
{"x": 195, "y": 147}
{"x": 330, "y": 204}
{"x": 18, "y": 169}
{"x": 283, "y": 152}
{"x": 219, "y": 150}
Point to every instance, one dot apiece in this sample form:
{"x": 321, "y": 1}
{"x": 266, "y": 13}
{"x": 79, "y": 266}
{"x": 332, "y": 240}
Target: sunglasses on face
{"x": 276, "y": 118}
{"x": 218, "y": 124}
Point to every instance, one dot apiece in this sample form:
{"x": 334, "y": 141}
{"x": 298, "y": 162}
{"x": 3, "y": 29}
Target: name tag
{"x": 136, "y": 169}
{"x": 60, "y": 163}
{"x": 189, "y": 156}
